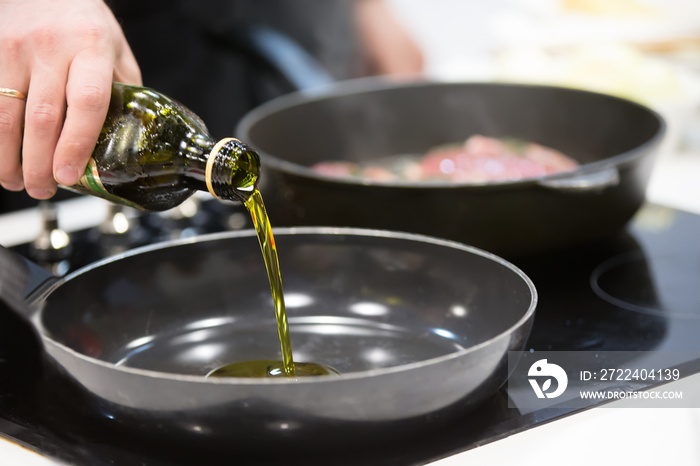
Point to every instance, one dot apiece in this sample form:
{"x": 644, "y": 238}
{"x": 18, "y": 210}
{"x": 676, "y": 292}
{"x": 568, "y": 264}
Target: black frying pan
{"x": 419, "y": 328}
{"x": 613, "y": 139}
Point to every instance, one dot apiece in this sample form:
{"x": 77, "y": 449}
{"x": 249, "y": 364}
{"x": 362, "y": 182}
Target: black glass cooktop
{"x": 636, "y": 292}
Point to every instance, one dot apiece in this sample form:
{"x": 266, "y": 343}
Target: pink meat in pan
{"x": 339, "y": 169}
{"x": 479, "y": 159}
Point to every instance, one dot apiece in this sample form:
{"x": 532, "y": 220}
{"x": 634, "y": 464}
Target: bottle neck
{"x": 196, "y": 152}
{"x": 232, "y": 170}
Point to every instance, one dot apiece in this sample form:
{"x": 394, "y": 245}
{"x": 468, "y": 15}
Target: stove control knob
{"x": 52, "y": 248}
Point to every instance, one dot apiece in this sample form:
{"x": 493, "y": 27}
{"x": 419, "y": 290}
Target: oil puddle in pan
{"x": 271, "y": 368}
{"x": 255, "y": 368}
{"x": 344, "y": 344}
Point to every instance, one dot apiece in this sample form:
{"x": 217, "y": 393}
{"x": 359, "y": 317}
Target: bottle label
{"x": 90, "y": 183}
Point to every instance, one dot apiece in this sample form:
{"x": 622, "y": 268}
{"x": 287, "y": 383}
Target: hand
{"x": 389, "y": 47}
{"x": 64, "y": 55}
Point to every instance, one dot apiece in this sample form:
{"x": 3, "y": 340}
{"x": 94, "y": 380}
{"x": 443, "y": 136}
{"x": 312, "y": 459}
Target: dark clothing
{"x": 175, "y": 43}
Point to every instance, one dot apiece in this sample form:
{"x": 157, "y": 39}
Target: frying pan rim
{"x": 291, "y": 231}
{"x": 379, "y": 83}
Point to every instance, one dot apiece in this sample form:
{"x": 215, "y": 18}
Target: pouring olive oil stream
{"x": 152, "y": 154}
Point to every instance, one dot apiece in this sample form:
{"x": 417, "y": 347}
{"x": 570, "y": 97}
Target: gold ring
{"x": 210, "y": 164}
{"x": 7, "y": 92}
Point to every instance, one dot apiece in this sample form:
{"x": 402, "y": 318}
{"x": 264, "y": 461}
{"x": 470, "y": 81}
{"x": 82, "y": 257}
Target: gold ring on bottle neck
{"x": 210, "y": 164}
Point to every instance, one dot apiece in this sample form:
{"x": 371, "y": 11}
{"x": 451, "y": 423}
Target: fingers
{"x": 11, "y": 114}
{"x": 88, "y": 93}
{"x": 43, "y": 120}
{"x": 11, "y": 118}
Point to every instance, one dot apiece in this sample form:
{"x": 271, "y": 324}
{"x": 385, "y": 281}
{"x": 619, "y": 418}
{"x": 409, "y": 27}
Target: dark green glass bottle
{"x": 153, "y": 153}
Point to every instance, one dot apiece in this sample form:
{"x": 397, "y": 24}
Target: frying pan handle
{"x": 275, "y": 51}
{"x": 21, "y": 280}
{"x": 590, "y": 182}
